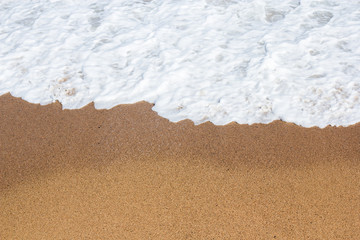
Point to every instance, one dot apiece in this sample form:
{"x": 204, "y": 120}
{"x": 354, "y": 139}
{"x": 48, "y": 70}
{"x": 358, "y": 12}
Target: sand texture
{"x": 127, "y": 173}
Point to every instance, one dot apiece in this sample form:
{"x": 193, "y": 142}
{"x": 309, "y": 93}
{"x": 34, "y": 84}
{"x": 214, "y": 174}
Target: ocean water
{"x": 248, "y": 61}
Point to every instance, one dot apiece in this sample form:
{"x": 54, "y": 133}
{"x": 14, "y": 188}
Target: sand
{"x": 127, "y": 173}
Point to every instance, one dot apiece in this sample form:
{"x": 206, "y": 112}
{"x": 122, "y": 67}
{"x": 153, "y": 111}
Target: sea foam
{"x": 248, "y": 61}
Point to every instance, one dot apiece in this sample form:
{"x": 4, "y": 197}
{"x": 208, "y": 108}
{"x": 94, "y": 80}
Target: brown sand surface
{"x": 127, "y": 173}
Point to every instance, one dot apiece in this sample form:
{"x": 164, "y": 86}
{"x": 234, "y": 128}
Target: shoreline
{"x": 129, "y": 173}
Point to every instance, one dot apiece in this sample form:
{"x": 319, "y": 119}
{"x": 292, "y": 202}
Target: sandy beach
{"x": 127, "y": 173}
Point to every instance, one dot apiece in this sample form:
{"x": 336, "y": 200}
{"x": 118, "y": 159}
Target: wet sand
{"x": 127, "y": 173}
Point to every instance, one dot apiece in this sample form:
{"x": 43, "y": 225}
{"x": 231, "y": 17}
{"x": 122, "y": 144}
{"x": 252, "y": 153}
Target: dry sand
{"x": 127, "y": 173}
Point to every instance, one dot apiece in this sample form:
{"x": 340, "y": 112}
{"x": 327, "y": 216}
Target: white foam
{"x": 249, "y": 61}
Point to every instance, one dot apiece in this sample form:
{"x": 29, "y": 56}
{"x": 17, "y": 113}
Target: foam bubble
{"x": 249, "y": 61}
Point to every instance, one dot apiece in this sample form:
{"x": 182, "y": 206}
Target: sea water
{"x": 248, "y": 61}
